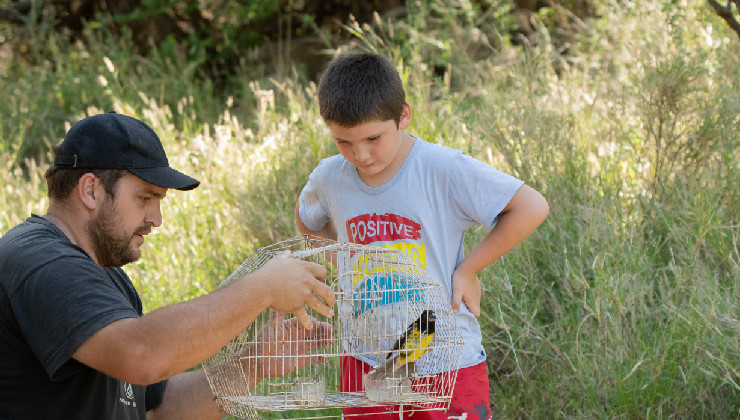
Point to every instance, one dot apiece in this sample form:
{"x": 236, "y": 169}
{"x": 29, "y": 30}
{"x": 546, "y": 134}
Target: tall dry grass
{"x": 623, "y": 304}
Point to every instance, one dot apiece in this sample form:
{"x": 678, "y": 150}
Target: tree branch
{"x": 725, "y": 12}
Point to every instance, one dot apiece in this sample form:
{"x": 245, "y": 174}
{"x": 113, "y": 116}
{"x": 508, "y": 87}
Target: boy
{"x": 385, "y": 177}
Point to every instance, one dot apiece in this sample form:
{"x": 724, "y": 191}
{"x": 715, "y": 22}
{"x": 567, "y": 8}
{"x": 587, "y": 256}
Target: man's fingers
{"x": 323, "y": 291}
{"x": 318, "y": 271}
{"x": 303, "y": 318}
{"x": 319, "y": 305}
{"x": 323, "y": 328}
{"x": 321, "y": 335}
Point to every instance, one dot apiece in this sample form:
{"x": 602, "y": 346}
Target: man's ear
{"x": 87, "y": 190}
{"x": 405, "y": 116}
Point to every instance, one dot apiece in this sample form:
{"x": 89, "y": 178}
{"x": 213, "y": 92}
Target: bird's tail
{"x": 393, "y": 368}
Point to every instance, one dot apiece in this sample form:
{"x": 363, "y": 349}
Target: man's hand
{"x": 282, "y": 346}
{"x": 466, "y": 288}
{"x": 295, "y": 285}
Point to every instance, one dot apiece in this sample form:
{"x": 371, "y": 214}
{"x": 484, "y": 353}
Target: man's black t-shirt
{"x": 53, "y": 297}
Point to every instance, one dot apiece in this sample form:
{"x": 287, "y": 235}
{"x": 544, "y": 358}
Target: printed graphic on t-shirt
{"x": 381, "y": 298}
{"x": 127, "y": 391}
{"x": 387, "y": 231}
{"x": 368, "y": 228}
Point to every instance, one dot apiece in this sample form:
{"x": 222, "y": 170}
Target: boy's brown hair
{"x": 360, "y": 87}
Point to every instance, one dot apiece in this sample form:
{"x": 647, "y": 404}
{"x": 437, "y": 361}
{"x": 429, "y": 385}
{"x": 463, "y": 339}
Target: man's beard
{"x": 111, "y": 248}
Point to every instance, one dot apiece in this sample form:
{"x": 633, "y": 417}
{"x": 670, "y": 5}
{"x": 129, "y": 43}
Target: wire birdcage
{"x": 379, "y": 292}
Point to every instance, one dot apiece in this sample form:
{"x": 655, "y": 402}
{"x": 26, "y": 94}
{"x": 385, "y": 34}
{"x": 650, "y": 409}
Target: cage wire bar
{"x": 379, "y": 293}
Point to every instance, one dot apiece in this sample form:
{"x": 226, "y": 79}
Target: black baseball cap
{"x": 117, "y": 141}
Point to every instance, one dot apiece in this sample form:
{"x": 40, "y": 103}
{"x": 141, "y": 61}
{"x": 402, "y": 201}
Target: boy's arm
{"x": 524, "y": 213}
{"x": 328, "y": 231}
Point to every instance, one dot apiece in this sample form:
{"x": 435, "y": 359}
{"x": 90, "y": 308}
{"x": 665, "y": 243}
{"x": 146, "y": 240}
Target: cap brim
{"x": 166, "y": 177}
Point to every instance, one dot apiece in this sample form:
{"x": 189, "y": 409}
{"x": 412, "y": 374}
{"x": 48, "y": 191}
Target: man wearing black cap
{"x": 73, "y": 340}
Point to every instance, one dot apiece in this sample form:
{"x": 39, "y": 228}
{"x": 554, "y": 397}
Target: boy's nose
{"x": 362, "y": 154}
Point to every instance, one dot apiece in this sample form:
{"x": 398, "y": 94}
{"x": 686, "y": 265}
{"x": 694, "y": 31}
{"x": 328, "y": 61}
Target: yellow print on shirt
{"x": 415, "y": 252}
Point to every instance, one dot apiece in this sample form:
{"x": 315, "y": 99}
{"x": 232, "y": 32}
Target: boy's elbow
{"x": 542, "y": 208}
{"x": 299, "y": 223}
{"x": 536, "y": 205}
{"x": 545, "y": 211}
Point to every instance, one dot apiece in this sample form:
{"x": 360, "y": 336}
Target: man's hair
{"x": 60, "y": 181}
{"x": 360, "y": 87}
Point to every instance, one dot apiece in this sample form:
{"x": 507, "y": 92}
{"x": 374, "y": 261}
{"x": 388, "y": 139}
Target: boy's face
{"x": 376, "y": 148}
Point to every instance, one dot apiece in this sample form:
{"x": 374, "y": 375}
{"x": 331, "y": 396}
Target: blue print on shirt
{"x": 382, "y": 289}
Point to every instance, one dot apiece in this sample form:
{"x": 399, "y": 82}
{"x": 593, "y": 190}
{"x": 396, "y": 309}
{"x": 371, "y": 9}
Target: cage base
{"x": 347, "y": 399}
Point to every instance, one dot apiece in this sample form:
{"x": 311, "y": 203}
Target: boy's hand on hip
{"x": 466, "y": 288}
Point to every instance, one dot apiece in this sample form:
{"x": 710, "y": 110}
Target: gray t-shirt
{"x": 424, "y": 211}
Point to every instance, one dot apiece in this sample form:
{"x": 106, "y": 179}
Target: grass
{"x": 623, "y": 304}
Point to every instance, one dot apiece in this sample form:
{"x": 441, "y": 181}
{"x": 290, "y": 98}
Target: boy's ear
{"x": 405, "y": 116}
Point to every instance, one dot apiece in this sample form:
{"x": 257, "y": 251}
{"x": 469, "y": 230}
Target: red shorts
{"x": 470, "y": 398}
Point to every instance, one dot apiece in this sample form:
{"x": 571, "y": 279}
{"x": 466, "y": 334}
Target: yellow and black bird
{"x": 413, "y": 344}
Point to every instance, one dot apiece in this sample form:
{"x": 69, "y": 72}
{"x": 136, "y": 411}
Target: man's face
{"x": 117, "y": 230}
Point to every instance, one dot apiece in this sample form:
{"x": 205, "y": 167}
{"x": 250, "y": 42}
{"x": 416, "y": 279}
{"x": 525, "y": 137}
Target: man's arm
{"x": 172, "y": 339}
{"x": 187, "y": 395}
{"x": 328, "y": 231}
{"x": 524, "y": 213}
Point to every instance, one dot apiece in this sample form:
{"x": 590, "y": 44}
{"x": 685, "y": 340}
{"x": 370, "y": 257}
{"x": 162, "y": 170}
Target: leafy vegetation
{"x": 625, "y": 303}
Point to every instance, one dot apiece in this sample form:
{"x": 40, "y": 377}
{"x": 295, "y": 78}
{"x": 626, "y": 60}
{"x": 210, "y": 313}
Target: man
{"x": 73, "y": 340}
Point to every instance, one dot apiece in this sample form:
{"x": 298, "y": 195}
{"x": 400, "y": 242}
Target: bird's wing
{"x": 421, "y": 345}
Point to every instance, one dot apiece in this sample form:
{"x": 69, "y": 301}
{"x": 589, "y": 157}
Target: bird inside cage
{"x": 392, "y": 379}
{"x": 410, "y": 346}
